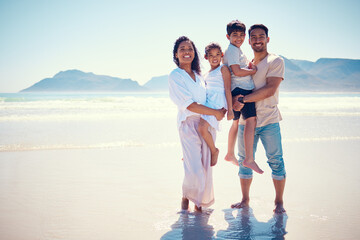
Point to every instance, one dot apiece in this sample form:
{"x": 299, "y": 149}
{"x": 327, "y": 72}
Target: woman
{"x": 187, "y": 91}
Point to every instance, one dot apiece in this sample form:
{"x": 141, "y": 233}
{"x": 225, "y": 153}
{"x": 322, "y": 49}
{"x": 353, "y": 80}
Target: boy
{"x": 241, "y": 83}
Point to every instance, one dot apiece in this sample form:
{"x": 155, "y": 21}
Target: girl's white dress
{"x": 215, "y": 95}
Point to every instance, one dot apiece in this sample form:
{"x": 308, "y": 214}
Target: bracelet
{"x": 241, "y": 99}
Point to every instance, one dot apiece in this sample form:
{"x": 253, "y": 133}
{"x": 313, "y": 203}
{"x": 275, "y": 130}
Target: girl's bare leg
{"x": 204, "y": 131}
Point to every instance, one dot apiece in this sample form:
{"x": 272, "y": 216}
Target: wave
{"x": 135, "y": 144}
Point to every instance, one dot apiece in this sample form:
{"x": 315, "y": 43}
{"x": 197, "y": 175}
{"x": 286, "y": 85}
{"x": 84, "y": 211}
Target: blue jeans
{"x": 271, "y": 139}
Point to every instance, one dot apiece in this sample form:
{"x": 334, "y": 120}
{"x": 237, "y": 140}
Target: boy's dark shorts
{"x": 249, "y": 108}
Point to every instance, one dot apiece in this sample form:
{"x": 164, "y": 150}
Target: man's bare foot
{"x": 198, "y": 209}
{"x": 279, "y": 208}
{"x": 185, "y": 204}
{"x": 214, "y": 157}
{"x": 231, "y": 158}
{"x": 243, "y": 204}
{"x": 253, "y": 165}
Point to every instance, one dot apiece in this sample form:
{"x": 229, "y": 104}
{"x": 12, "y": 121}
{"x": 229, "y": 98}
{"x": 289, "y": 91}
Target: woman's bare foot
{"x": 214, "y": 157}
{"x": 253, "y": 165}
{"x": 279, "y": 208}
{"x": 243, "y": 204}
{"x": 185, "y": 204}
{"x": 198, "y": 209}
{"x": 230, "y": 157}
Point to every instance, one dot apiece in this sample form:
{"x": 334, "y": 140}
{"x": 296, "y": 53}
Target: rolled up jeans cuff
{"x": 245, "y": 176}
{"x": 282, "y": 177}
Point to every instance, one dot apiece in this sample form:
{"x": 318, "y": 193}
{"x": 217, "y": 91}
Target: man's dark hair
{"x": 235, "y": 26}
{"x": 261, "y": 26}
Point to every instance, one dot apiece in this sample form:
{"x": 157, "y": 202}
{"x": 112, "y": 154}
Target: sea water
{"x": 108, "y": 166}
{"x": 40, "y": 121}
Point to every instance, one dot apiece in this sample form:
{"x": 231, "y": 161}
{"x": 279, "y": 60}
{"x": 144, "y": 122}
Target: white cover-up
{"x": 198, "y": 183}
{"x": 215, "y": 95}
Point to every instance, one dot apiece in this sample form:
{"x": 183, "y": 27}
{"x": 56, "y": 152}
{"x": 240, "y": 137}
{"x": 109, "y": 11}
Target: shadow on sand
{"x": 246, "y": 226}
{"x": 191, "y": 226}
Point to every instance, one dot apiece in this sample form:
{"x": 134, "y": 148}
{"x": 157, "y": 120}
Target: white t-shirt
{"x": 267, "y": 111}
{"x": 183, "y": 91}
{"x": 234, "y": 56}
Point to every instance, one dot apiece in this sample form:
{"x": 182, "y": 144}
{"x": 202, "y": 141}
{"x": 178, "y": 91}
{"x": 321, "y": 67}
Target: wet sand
{"x": 135, "y": 193}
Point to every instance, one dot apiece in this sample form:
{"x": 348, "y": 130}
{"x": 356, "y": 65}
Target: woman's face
{"x": 185, "y": 53}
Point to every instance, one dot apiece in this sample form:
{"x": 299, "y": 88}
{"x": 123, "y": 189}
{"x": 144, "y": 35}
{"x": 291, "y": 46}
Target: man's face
{"x": 258, "y": 40}
{"x": 236, "y": 38}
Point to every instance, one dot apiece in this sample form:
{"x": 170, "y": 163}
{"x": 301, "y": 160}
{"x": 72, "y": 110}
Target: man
{"x": 270, "y": 73}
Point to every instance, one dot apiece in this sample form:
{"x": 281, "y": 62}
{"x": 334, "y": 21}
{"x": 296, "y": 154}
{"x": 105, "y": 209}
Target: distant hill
{"x": 326, "y": 74}
{"x": 78, "y": 81}
{"x": 158, "y": 83}
{"x": 329, "y": 74}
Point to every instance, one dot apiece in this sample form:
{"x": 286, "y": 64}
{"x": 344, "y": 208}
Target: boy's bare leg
{"x": 230, "y": 156}
{"x": 245, "y": 190}
{"x": 249, "y": 133}
{"x": 204, "y": 131}
{"x": 184, "y": 203}
{"x": 279, "y": 191}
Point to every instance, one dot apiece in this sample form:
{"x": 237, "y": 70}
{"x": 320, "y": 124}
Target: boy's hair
{"x": 195, "y": 65}
{"x": 212, "y": 46}
{"x": 261, "y": 26}
{"x": 235, "y": 26}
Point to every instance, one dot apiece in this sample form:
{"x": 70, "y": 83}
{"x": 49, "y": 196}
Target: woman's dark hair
{"x": 212, "y": 46}
{"x": 195, "y": 65}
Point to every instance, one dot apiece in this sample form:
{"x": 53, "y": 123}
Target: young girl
{"x": 218, "y": 95}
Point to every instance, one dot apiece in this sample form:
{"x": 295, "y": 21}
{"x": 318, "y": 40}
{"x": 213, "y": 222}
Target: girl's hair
{"x": 195, "y": 65}
{"x": 212, "y": 46}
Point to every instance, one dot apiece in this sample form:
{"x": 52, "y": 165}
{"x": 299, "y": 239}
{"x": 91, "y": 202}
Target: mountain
{"x": 336, "y": 74}
{"x": 326, "y": 74}
{"x": 158, "y": 83}
{"x": 78, "y": 81}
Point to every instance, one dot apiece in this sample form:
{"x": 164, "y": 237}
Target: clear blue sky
{"x": 134, "y": 39}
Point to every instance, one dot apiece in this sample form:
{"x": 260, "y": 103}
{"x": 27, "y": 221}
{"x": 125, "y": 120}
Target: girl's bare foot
{"x": 214, "y": 157}
{"x": 253, "y": 165}
{"x": 198, "y": 209}
{"x": 185, "y": 204}
{"x": 243, "y": 204}
{"x": 231, "y": 158}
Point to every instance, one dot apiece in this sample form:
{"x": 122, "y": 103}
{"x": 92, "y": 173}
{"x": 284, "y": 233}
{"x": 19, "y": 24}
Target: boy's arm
{"x": 242, "y": 72}
{"x": 227, "y": 85}
{"x": 272, "y": 84}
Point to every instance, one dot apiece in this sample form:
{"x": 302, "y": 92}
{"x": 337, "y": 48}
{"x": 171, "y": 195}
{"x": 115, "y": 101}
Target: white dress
{"x": 215, "y": 95}
{"x": 198, "y": 182}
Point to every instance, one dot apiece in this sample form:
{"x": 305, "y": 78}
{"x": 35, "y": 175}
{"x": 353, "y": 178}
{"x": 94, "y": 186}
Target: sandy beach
{"x": 131, "y": 188}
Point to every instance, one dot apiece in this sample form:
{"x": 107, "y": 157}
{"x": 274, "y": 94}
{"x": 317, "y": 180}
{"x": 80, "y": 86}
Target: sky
{"x": 134, "y": 39}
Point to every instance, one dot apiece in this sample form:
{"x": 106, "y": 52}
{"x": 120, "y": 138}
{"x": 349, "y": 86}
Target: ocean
{"x": 108, "y": 166}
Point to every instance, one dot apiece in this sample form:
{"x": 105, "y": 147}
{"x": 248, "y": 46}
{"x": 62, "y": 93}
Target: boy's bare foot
{"x": 253, "y": 165}
{"x": 243, "y": 204}
{"x": 214, "y": 157}
{"x": 231, "y": 158}
{"x": 279, "y": 208}
{"x": 198, "y": 209}
{"x": 185, "y": 204}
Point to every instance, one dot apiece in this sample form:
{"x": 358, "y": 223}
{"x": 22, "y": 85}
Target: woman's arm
{"x": 226, "y": 75}
{"x": 201, "y": 109}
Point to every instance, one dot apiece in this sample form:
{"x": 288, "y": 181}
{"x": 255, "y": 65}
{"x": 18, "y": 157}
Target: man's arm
{"x": 272, "y": 84}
